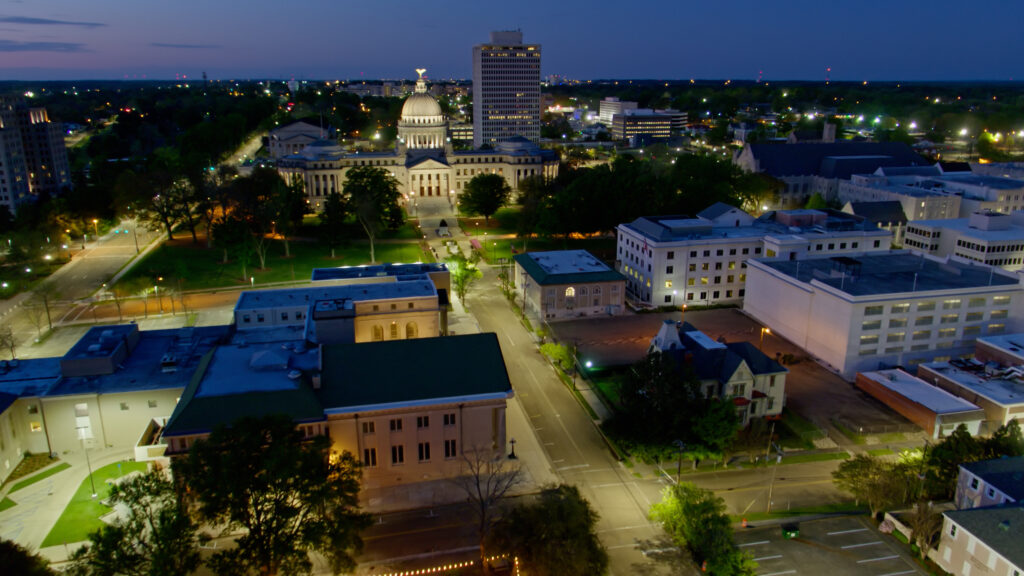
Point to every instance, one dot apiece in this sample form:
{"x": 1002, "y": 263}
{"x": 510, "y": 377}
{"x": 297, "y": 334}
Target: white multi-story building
{"x": 865, "y": 312}
{"x": 611, "y": 106}
{"x": 678, "y": 260}
{"x": 933, "y": 192}
{"x": 506, "y": 89}
{"x": 33, "y": 159}
{"x": 988, "y": 237}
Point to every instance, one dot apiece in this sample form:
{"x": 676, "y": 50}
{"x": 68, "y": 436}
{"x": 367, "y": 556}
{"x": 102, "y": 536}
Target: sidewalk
{"x": 41, "y": 504}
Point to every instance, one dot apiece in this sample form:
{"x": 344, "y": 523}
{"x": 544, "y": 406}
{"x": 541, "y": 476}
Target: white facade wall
{"x": 863, "y": 333}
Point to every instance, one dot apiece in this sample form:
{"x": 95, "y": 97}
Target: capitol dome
{"x": 422, "y": 124}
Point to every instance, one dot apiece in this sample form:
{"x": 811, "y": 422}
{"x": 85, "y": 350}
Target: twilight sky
{"x": 670, "y": 39}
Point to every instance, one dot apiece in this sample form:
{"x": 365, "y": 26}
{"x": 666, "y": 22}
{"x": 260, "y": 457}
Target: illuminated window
{"x": 570, "y": 292}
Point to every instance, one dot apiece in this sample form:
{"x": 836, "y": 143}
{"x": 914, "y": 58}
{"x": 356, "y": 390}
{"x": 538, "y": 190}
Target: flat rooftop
{"x": 892, "y": 272}
{"x": 678, "y": 228}
{"x": 931, "y": 397}
{"x": 32, "y": 377}
{"x": 1012, "y": 344}
{"x": 144, "y": 368}
{"x": 994, "y": 388}
{"x": 964, "y": 228}
{"x": 417, "y": 286}
{"x": 377, "y": 271}
{"x": 566, "y": 266}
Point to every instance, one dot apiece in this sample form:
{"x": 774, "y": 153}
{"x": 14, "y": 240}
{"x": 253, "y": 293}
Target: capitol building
{"x": 430, "y": 173}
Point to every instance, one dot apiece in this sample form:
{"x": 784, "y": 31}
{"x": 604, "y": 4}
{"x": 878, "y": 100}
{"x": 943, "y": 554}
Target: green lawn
{"x": 881, "y": 452}
{"x": 82, "y": 514}
{"x": 201, "y": 268}
{"x": 796, "y": 432}
{"x": 6, "y": 503}
{"x": 42, "y": 475}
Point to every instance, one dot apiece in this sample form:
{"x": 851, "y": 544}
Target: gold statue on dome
{"x": 420, "y": 71}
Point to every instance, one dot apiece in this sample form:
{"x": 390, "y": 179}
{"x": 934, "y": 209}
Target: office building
{"x": 566, "y": 284}
{"x": 872, "y": 311}
{"x": 394, "y": 405}
{"x": 987, "y": 237}
{"x": 936, "y": 192}
{"x": 33, "y": 159}
{"x": 677, "y": 260}
{"x": 506, "y": 89}
{"x": 643, "y": 126}
{"x": 611, "y": 106}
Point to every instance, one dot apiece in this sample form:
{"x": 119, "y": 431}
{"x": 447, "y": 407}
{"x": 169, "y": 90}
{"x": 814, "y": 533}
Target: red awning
{"x": 740, "y": 401}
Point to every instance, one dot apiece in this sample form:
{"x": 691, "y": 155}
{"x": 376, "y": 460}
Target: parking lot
{"x": 846, "y": 546}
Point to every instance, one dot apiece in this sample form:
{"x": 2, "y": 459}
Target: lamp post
{"x": 512, "y": 455}
{"x": 679, "y": 465}
{"x": 764, "y": 330}
{"x": 96, "y": 227}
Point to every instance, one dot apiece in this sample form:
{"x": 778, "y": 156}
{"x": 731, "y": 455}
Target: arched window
{"x": 378, "y": 333}
{"x": 570, "y": 292}
{"x": 411, "y": 330}
{"x": 394, "y": 330}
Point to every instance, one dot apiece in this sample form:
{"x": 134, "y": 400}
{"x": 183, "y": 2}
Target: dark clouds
{"x": 48, "y": 22}
{"x": 16, "y": 46}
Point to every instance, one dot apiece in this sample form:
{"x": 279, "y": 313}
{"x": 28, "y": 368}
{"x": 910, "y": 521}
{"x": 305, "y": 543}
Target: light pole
{"x": 679, "y": 465}
{"x": 764, "y": 330}
{"x": 96, "y": 227}
{"x": 512, "y": 455}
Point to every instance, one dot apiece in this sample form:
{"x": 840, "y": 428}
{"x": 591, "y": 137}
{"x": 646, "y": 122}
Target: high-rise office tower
{"x": 506, "y": 89}
{"x": 33, "y": 159}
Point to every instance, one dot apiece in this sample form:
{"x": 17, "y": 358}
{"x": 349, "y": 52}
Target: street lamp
{"x": 512, "y": 455}
{"x": 679, "y": 466}
{"x": 96, "y": 227}
{"x": 764, "y": 330}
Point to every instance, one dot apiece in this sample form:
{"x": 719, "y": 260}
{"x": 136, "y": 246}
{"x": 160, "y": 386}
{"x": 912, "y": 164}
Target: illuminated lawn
{"x": 82, "y": 514}
{"x": 30, "y": 481}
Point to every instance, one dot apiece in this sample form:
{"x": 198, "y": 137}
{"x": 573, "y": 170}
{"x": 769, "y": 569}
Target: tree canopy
{"x": 484, "y": 195}
{"x": 155, "y": 538}
{"x": 373, "y": 197}
{"x": 292, "y": 495}
{"x": 553, "y": 536}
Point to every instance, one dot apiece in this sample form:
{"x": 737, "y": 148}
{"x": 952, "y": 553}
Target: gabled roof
{"x": 1005, "y": 474}
{"x": 834, "y": 160}
{"x": 1001, "y": 528}
{"x": 716, "y": 210}
{"x": 885, "y": 211}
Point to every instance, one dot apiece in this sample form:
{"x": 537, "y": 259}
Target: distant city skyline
{"x": 657, "y": 39}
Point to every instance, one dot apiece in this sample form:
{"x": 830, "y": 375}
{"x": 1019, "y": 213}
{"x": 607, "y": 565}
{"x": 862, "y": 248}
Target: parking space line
{"x": 779, "y": 573}
{"x": 899, "y": 573}
{"x": 862, "y": 545}
{"x": 754, "y": 543}
{"x": 847, "y": 531}
{"x": 767, "y": 557}
{"x": 876, "y": 559}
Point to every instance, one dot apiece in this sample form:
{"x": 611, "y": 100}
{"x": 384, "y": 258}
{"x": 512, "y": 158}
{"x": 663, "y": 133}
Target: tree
{"x": 7, "y": 341}
{"x": 156, "y": 537}
{"x": 877, "y": 483}
{"x": 486, "y": 479}
{"x": 559, "y": 355}
{"x": 17, "y": 560}
{"x": 816, "y": 202}
{"x": 696, "y": 518}
{"x": 463, "y": 273}
{"x": 289, "y": 208}
{"x": 484, "y": 194}
{"x": 926, "y": 522}
{"x": 1007, "y": 441}
{"x": 232, "y": 235}
{"x": 290, "y": 494}
{"x": 373, "y": 197}
{"x": 554, "y": 535}
{"x": 332, "y": 221}
{"x": 945, "y": 458}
